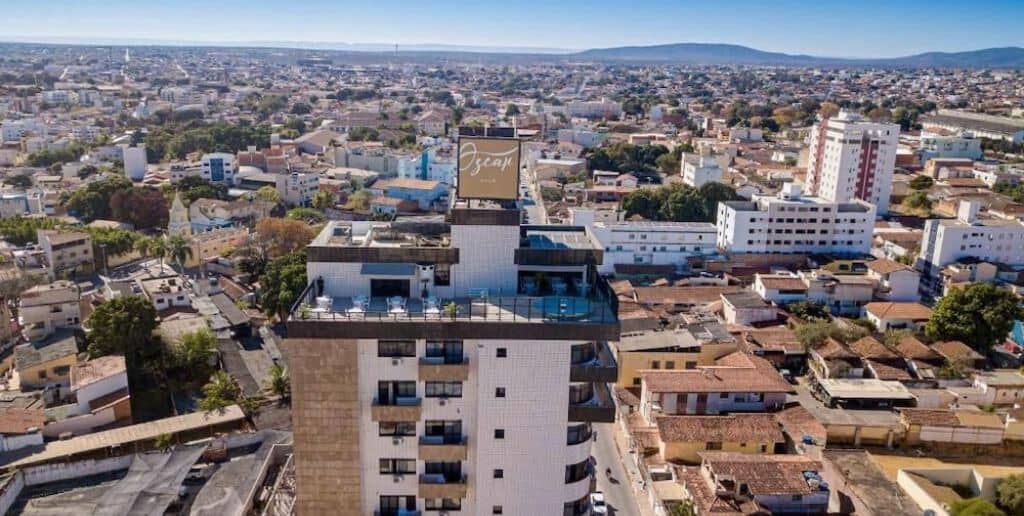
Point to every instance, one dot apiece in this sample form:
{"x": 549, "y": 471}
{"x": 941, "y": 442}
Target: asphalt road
{"x": 619, "y": 495}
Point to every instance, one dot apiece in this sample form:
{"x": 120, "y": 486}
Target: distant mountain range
{"x": 677, "y": 53}
{"x": 714, "y": 53}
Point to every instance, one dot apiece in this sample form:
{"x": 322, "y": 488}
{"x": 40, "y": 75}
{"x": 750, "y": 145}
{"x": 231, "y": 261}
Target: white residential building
{"x": 851, "y": 158}
{"x": 652, "y": 243}
{"x": 423, "y": 380}
{"x": 44, "y": 309}
{"x": 970, "y": 235}
{"x": 298, "y": 189}
{"x": 791, "y": 223}
{"x": 699, "y": 169}
{"x": 219, "y": 167}
{"x": 134, "y": 159}
{"x": 949, "y": 146}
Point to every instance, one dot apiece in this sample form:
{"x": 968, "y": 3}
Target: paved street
{"x": 618, "y": 491}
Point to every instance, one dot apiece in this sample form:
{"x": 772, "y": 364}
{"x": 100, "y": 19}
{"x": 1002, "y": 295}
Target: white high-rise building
{"x": 134, "y": 159}
{"x": 851, "y": 158}
{"x": 453, "y": 367}
{"x": 791, "y": 223}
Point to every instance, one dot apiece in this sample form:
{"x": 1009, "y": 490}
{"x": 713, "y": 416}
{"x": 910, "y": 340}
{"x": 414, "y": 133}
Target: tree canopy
{"x": 282, "y": 236}
{"x": 980, "y": 315}
{"x": 220, "y": 392}
{"x": 626, "y": 157}
{"x": 678, "y": 203}
{"x": 282, "y": 282}
{"x": 1010, "y": 494}
{"x": 94, "y": 201}
{"x": 974, "y": 507}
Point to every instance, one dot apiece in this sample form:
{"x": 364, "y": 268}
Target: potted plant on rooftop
{"x": 451, "y": 310}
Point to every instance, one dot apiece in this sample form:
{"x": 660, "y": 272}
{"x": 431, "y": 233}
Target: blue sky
{"x": 863, "y": 28}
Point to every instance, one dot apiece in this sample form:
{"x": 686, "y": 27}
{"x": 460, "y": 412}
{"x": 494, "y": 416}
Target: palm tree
{"x": 279, "y": 382}
{"x": 179, "y": 250}
{"x": 323, "y": 199}
{"x": 152, "y": 246}
{"x": 220, "y": 392}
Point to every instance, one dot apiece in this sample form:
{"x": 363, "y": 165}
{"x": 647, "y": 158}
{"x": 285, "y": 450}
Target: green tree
{"x": 279, "y": 383}
{"x": 283, "y": 281}
{"x": 359, "y": 200}
{"x": 684, "y": 508}
{"x": 807, "y": 310}
{"x": 921, "y": 182}
{"x": 220, "y": 392}
{"x": 193, "y": 352}
{"x": 974, "y": 507}
{"x": 301, "y": 108}
{"x": 267, "y": 194}
{"x": 94, "y": 201}
{"x": 980, "y": 315}
{"x": 19, "y": 181}
{"x": 511, "y": 111}
{"x": 323, "y": 200}
{"x": 124, "y": 326}
{"x": 195, "y": 187}
{"x": 1010, "y": 494}
{"x": 815, "y": 332}
{"x": 163, "y": 441}
{"x": 306, "y": 214}
{"x": 21, "y": 231}
{"x": 179, "y": 250}
{"x": 918, "y": 201}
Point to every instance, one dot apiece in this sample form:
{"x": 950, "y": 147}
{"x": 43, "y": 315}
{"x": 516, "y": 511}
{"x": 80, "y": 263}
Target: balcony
{"x": 599, "y": 407}
{"x": 442, "y": 448}
{"x": 398, "y": 512}
{"x": 318, "y": 314}
{"x": 597, "y": 365}
{"x": 443, "y": 369}
{"x": 439, "y": 486}
{"x": 399, "y": 410}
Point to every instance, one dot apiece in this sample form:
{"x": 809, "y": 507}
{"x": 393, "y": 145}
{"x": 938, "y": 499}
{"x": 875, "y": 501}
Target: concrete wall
{"x": 10, "y": 490}
{"x": 17, "y": 442}
{"x": 63, "y": 471}
{"x": 688, "y": 451}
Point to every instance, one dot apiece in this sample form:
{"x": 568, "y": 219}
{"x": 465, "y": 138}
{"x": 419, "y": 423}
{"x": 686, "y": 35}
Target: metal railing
{"x": 597, "y": 307}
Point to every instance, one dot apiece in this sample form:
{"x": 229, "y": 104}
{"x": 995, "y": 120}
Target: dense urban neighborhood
{"x": 276, "y": 281}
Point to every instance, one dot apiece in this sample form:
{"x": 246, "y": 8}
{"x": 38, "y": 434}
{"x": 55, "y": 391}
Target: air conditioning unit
{"x": 443, "y": 402}
{"x": 396, "y": 441}
{"x": 395, "y": 361}
{"x": 397, "y": 478}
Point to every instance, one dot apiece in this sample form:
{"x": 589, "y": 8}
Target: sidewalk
{"x": 628, "y": 458}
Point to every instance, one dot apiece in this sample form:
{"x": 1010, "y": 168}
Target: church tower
{"x": 178, "y": 223}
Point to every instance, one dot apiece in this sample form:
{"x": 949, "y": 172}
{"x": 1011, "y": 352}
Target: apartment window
{"x": 447, "y": 351}
{"x": 450, "y": 432}
{"x": 636, "y": 380}
{"x": 391, "y": 505}
{"x": 442, "y": 274}
{"x": 713, "y": 446}
{"x": 499, "y": 433}
{"x": 443, "y": 390}
{"x": 497, "y": 510}
{"x": 396, "y": 348}
{"x": 442, "y": 504}
{"x": 578, "y": 471}
{"x": 397, "y": 429}
{"x": 397, "y": 466}
{"x": 502, "y": 352}
{"x": 655, "y": 364}
{"x": 389, "y": 393}
{"x": 670, "y": 364}
{"x": 499, "y": 473}
{"x": 499, "y": 392}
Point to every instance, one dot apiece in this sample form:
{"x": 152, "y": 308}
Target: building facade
{"x": 455, "y": 368}
{"x": 851, "y": 158}
{"x": 791, "y": 223}
{"x": 652, "y": 243}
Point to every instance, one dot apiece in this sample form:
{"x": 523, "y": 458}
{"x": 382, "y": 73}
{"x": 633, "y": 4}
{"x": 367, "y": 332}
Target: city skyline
{"x": 531, "y": 26}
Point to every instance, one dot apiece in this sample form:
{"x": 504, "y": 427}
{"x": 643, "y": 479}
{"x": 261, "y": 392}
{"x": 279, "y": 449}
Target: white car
{"x": 597, "y": 504}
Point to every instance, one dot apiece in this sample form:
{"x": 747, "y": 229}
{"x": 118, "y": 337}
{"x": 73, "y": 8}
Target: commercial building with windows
{"x": 450, "y": 365}
{"x": 968, "y": 236}
{"x": 851, "y": 158}
{"x": 652, "y": 243}
{"x": 791, "y": 223}
{"x": 219, "y": 167}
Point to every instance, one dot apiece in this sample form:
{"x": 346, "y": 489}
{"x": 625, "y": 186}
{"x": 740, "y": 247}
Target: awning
{"x": 388, "y": 269}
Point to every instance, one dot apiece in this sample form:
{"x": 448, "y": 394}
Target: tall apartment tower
{"x": 450, "y": 366}
{"x": 851, "y": 158}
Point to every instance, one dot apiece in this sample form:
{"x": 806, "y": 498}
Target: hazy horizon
{"x": 870, "y": 29}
